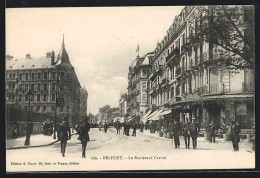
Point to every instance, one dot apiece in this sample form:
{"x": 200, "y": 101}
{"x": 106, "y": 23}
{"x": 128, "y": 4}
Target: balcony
{"x": 213, "y": 89}
{"x": 153, "y": 75}
{"x": 174, "y": 53}
{"x": 159, "y": 69}
{"x": 247, "y": 87}
{"x": 178, "y": 72}
{"x": 165, "y": 81}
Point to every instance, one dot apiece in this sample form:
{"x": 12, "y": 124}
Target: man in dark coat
{"x": 84, "y": 136}
{"x": 176, "y": 133}
{"x": 235, "y": 130}
{"x": 142, "y": 127}
{"x": 105, "y": 127}
{"x": 134, "y": 129}
{"x": 118, "y": 127}
{"x": 212, "y": 132}
{"x": 194, "y": 130}
{"x": 64, "y": 134}
{"x": 124, "y": 131}
{"x": 186, "y": 133}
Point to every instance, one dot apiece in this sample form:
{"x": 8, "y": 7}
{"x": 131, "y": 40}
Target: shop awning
{"x": 147, "y": 114}
{"x": 166, "y": 112}
{"x": 156, "y": 116}
{"x": 151, "y": 115}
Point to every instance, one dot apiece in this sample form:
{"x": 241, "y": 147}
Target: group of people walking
{"x": 64, "y": 134}
{"x": 126, "y": 128}
{"x": 188, "y": 130}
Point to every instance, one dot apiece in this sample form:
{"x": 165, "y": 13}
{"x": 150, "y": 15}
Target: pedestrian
{"x": 142, "y": 127}
{"x": 118, "y": 127}
{"x": 84, "y": 136}
{"x": 212, "y": 129}
{"x": 15, "y": 130}
{"x": 235, "y": 130}
{"x": 64, "y": 134}
{"x": 194, "y": 129}
{"x": 134, "y": 129}
{"x": 176, "y": 133}
{"x": 105, "y": 127}
{"x": 51, "y": 128}
{"x": 124, "y": 130}
{"x": 29, "y": 131}
{"x": 186, "y": 133}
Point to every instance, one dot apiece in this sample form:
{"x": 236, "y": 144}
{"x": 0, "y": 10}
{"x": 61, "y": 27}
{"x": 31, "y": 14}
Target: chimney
{"x": 48, "y": 55}
{"x": 52, "y": 57}
{"x": 28, "y": 56}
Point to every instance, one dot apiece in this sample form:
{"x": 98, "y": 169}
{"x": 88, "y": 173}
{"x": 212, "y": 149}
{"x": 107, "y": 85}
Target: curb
{"x": 22, "y": 147}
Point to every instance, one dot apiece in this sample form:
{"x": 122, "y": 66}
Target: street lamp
{"x": 29, "y": 125}
{"x": 56, "y": 104}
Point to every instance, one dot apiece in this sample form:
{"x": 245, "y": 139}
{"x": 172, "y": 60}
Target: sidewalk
{"x": 36, "y": 140}
{"x": 219, "y": 144}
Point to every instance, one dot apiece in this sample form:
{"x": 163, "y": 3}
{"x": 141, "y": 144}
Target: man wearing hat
{"x": 84, "y": 136}
{"x": 64, "y": 134}
{"x": 194, "y": 129}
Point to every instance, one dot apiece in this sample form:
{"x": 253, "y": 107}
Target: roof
{"x": 32, "y": 63}
{"x": 147, "y": 59}
{"x": 38, "y": 62}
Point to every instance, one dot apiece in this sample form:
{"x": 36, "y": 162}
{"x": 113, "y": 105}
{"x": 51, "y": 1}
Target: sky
{"x": 101, "y": 41}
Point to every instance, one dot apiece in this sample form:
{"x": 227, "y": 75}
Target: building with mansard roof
{"x": 48, "y": 78}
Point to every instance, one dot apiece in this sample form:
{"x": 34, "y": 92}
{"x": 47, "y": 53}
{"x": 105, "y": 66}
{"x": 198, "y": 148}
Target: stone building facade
{"x": 138, "y": 86}
{"x": 190, "y": 78}
{"x": 47, "y": 78}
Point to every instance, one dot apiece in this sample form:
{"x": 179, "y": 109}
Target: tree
{"x": 228, "y": 27}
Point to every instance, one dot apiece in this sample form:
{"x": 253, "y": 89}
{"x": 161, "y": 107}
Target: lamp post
{"x": 29, "y": 125}
{"x": 56, "y": 104}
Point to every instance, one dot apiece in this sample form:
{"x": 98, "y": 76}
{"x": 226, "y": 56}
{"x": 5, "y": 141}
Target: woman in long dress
{"x": 84, "y": 136}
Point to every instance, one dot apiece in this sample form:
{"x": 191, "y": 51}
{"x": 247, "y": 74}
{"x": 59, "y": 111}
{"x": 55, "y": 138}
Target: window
{"x": 38, "y": 108}
{"x": 68, "y": 76}
{"x": 26, "y": 86}
{"x": 33, "y": 76}
{"x": 45, "y": 86}
{"x": 53, "y": 86}
{"x": 61, "y": 109}
{"x": 44, "y": 97}
{"x": 53, "y": 75}
{"x": 52, "y": 108}
{"x": 38, "y": 86}
{"x": 32, "y": 97}
{"x": 10, "y": 75}
{"x": 39, "y": 76}
{"x": 53, "y": 97}
{"x": 20, "y": 97}
{"x": 32, "y": 86}
{"x": 144, "y": 98}
{"x": 67, "y": 109}
{"x": 13, "y": 85}
{"x": 44, "y": 109}
{"x": 38, "y": 97}
{"x": 20, "y": 86}
{"x": 45, "y": 75}
{"x": 13, "y": 75}
{"x": 26, "y": 76}
{"x": 26, "y": 97}
{"x": 144, "y": 86}
{"x": 62, "y": 86}
{"x": 20, "y": 76}
{"x": 68, "y": 97}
